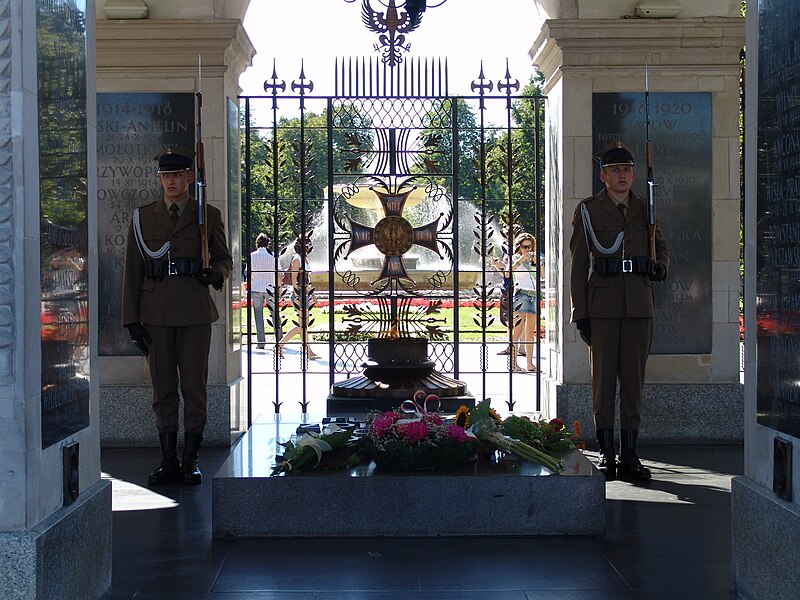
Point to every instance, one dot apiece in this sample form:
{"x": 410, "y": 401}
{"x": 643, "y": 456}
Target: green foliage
{"x": 547, "y": 436}
{"x": 526, "y": 187}
{"x": 289, "y": 162}
{"x": 61, "y": 52}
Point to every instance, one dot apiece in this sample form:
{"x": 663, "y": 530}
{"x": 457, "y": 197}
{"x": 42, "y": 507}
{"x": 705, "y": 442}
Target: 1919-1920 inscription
{"x": 131, "y": 129}
{"x": 680, "y": 125}
{"x": 778, "y": 217}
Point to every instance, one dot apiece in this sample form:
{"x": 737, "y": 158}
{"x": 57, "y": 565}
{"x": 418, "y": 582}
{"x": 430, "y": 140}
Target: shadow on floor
{"x": 666, "y": 540}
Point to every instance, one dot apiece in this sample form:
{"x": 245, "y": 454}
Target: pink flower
{"x": 414, "y": 431}
{"x": 381, "y": 426}
{"x": 457, "y": 433}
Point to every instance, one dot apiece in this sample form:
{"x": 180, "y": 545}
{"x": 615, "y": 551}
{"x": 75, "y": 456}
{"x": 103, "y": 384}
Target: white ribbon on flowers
{"x": 418, "y": 406}
{"x": 313, "y": 441}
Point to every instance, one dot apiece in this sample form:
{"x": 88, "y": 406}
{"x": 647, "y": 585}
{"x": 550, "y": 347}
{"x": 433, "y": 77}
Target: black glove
{"x": 210, "y": 276}
{"x": 139, "y": 337}
{"x": 585, "y": 330}
{"x": 659, "y": 272}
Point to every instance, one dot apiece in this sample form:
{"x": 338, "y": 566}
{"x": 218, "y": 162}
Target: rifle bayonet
{"x": 649, "y": 158}
{"x": 201, "y": 169}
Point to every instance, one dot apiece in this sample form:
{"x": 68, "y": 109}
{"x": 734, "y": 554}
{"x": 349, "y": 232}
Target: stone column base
{"x": 68, "y": 555}
{"x": 671, "y": 413}
{"x": 127, "y": 419}
{"x": 765, "y": 538}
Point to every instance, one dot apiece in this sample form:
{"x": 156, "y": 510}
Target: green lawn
{"x": 469, "y": 330}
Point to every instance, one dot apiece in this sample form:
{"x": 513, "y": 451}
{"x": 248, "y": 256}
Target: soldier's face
{"x": 176, "y": 185}
{"x": 618, "y": 178}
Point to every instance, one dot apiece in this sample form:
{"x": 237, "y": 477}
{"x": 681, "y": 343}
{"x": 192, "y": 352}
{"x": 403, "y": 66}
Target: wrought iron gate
{"x": 401, "y": 229}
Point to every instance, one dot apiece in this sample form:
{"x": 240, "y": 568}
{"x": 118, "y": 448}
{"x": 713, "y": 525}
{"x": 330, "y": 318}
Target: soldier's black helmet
{"x": 174, "y": 159}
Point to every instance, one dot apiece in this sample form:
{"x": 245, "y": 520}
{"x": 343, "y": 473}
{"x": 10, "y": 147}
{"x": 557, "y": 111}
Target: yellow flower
{"x": 494, "y": 415}
{"x": 462, "y": 416}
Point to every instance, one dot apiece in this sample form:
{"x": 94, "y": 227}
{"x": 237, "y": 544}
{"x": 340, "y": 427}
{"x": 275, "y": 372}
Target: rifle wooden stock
{"x": 651, "y": 200}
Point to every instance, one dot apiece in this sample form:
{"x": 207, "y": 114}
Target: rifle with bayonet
{"x": 651, "y": 184}
{"x": 200, "y": 162}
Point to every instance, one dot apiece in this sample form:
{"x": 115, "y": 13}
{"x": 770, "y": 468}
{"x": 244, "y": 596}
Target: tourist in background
{"x": 611, "y": 284}
{"x": 302, "y": 296}
{"x": 262, "y": 289}
{"x": 524, "y": 271}
{"x": 501, "y": 266}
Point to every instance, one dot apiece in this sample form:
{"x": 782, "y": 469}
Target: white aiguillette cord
{"x": 143, "y": 249}
{"x": 589, "y": 230}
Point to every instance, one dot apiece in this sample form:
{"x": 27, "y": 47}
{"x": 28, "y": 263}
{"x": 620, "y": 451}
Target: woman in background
{"x": 524, "y": 271}
{"x": 302, "y": 296}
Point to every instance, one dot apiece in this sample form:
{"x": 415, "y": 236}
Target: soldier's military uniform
{"x": 167, "y": 295}
{"x": 611, "y": 283}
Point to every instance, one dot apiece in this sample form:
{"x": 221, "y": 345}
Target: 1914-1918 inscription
{"x": 131, "y": 129}
{"x": 681, "y": 133}
{"x": 778, "y": 217}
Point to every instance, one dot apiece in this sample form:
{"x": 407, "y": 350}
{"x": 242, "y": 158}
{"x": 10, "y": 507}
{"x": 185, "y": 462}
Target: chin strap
{"x": 142, "y": 245}
{"x": 588, "y": 230}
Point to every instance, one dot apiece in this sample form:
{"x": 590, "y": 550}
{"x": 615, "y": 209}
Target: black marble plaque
{"x": 61, "y": 61}
{"x": 778, "y": 217}
{"x": 131, "y": 129}
{"x": 680, "y": 125}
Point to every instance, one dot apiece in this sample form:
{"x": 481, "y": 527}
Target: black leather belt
{"x": 179, "y": 267}
{"x": 609, "y": 266}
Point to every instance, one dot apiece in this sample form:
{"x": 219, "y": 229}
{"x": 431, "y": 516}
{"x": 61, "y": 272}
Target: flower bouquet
{"x": 412, "y": 438}
{"x": 484, "y": 422}
{"x": 548, "y": 436}
{"x": 301, "y": 454}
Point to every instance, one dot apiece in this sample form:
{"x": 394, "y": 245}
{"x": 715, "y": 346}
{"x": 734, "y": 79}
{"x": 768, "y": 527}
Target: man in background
{"x": 262, "y": 282}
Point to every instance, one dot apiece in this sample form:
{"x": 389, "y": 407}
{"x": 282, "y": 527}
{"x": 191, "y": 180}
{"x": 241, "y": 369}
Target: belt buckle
{"x": 627, "y": 265}
{"x": 171, "y": 266}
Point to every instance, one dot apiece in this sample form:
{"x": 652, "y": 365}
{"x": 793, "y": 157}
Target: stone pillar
{"x": 586, "y": 49}
{"x": 161, "y": 54}
{"x": 55, "y": 511}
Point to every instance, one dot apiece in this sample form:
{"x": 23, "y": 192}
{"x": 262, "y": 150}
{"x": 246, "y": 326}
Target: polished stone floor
{"x": 667, "y": 540}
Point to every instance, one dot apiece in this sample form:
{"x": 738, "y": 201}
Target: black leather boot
{"x": 191, "y": 448}
{"x": 169, "y": 471}
{"x": 630, "y": 468}
{"x": 607, "y": 464}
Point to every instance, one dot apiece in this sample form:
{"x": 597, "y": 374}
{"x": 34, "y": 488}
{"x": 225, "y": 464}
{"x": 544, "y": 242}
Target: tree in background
{"x": 526, "y": 112}
{"x": 277, "y": 157}
{"x": 283, "y": 171}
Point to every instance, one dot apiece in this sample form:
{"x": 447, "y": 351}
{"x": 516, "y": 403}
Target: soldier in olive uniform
{"x": 611, "y": 282}
{"x": 168, "y": 310}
